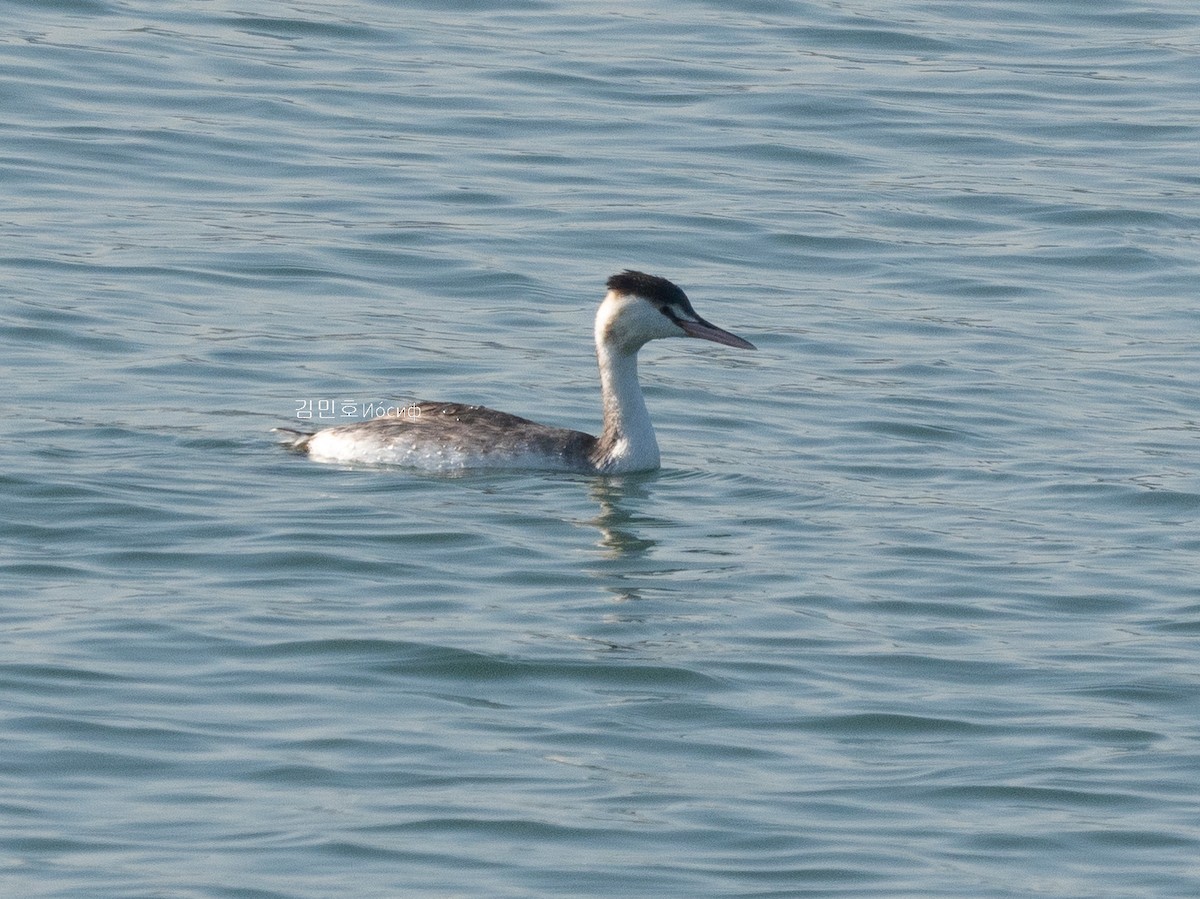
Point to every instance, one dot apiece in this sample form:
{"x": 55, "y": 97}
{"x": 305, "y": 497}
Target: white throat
{"x": 627, "y": 442}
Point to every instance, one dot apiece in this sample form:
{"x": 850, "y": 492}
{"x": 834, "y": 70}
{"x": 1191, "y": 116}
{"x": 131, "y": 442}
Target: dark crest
{"x": 657, "y": 290}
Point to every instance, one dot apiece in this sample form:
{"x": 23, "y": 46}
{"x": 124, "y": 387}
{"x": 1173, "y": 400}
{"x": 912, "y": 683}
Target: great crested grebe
{"x": 444, "y": 436}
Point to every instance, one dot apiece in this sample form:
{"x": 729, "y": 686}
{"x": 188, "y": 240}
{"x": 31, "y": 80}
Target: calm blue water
{"x": 913, "y": 607}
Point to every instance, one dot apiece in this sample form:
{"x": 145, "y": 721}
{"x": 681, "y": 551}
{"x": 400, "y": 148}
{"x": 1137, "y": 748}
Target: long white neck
{"x": 627, "y": 442}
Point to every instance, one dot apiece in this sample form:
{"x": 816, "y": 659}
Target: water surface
{"x": 911, "y": 608}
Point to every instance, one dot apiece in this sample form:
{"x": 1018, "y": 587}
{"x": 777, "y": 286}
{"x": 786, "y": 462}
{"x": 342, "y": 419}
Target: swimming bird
{"x": 636, "y": 309}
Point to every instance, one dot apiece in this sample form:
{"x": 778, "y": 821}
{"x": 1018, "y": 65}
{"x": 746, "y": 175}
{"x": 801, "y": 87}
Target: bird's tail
{"x": 296, "y": 441}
